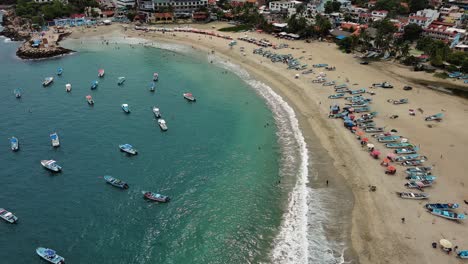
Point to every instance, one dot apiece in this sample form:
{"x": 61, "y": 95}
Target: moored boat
{"x": 414, "y": 196}
{"x": 162, "y": 124}
{"x": 152, "y": 86}
{"x": 47, "y": 81}
{"x": 447, "y": 214}
{"x": 419, "y": 170}
{"x": 89, "y": 99}
{"x": 8, "y": 216}
{"x": 155, "y": 76}
{"x": 128, "y": 149}
{"x": 14, "y": 143}
{"x": 101, "y": 73}
{"x": 125, "y": 108}
{"x": 116, "y": 182}
{"x": 189, "y": 97}
{"x": 156, "y": 197}
{"x": 54, "y": 138}
{"x": 59, "y": 71}
{"x": 17, "y": 93}
{"x": 442, "y": 206}
{"x": 51, "y": 165}
{"x": 156, "y": 112}
{"x": 68, "y": 87}
{"x": 121, "y": 80}
{"x": 94, "y": 85}
{"x": 50, "y": 255}
{"x": 463, "y": 254}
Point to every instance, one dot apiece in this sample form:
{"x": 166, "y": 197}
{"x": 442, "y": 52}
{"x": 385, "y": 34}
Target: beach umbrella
{"x": 375, "y": 153}
{"x": 391, "y": 168}
{"x": 370, "y": 145}
{"x": 445, "y": 243}
{"x": 391, "y": 156}
{"x": 404, "y": 140}
{"x": 360, "y": 133}
{"x": 365, "y": 139}
{"x": 354, "y": 128}
{"x": 385, "y": 160}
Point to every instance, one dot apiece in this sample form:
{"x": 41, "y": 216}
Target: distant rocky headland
{"x": 18, "y": 29}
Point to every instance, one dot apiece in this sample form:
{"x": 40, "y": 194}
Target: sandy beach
{"x": 378, "y": 234}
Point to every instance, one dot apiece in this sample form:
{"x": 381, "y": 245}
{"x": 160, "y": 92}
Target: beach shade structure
{"x": 445, "y": 243}
{"x": 391, "y": 156}
{"x": 365, "y": 140}
{"x": 360, "y": 133}
{"x": 352, "y": 117}
{"x": 390, "y": 170}
{"x": 351, "y": 109}
{"x": 370, "y": 146}
{"x": 354, "y": 128}
{"x": 385, "y": 162}
{"x": 375, "y": 154}
{"x": 404, "y": 140}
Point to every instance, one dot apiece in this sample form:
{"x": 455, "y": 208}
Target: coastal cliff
{"x": 26, "y": 52}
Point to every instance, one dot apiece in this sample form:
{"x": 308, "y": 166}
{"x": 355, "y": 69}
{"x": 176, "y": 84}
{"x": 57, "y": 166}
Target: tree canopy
{"x": 416, "y": 5}
{"x": 412, "y": 32}
{"x": 332, "y": 6}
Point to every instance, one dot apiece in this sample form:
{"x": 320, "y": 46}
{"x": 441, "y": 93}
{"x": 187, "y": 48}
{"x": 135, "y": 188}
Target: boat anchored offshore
{"x": 68, "y": 87}
{"x": 47, "y": 81}
{"x": 55, "y": 139}
{"x": 128, "y": 149}
{"x": 89, "y": 99}
{"x": 101, "y": 73}
{"x": 8, "y": 216}
{"x": 162, "y": 124}
{"x": 156, "y": 112}
{"x": 155, "y": 76}
{"x": 189, "y": 97}
{"x": 51, "y": 165}
{"x": 14, "y": 143}
{"x": 94, "y": 85}
{"x": 17, "y": 93}
{"x": 116, "y": 182}
{"x": 59, "y": 71}
{"x": 121, "y": 80}
{"x": 152, "y": 86}
{"x": 156, "y": 197}
{"x": 50, "y": 255}
{"x": 125, "y": 108}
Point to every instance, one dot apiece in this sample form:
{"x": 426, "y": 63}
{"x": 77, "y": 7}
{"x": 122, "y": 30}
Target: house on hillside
{"x": 424, "y": 18}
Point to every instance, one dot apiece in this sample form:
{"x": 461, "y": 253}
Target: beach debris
{"x": 372, "y": 188}
{"x": 393, "y": 116}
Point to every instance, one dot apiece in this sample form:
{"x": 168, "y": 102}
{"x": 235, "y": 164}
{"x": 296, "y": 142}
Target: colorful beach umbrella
{"x": 375, "y": 153}
{"x": 391, "y": 168}
{"x": 360, "y": 133}
{"x": 391, "y": 156}
{"x": 445, "y": 243}
{"x": 370, "y": 145}
{"x": 365, "y": 139}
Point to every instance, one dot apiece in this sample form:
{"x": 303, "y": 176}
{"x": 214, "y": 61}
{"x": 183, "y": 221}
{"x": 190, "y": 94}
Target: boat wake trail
{"x": 301, "y": 238}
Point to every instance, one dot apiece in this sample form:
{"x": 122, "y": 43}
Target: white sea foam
{"x": 302, "y": 237}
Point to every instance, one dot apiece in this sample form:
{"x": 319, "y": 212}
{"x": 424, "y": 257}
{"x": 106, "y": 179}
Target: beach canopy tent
{"x": 445, "y": 243}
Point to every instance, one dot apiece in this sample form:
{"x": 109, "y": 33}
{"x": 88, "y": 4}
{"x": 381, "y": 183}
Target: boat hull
{"x": 56, "y": 259}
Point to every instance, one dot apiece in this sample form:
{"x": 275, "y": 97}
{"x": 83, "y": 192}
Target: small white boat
{"x": 121, "y": 80}
{"x": 101, "y": 73}
{"x": 8, "y": 216}
{"x": 156, "y": 112}
{"x": 128, "y": 149}
{"x": 125, "y": 108}
{"x": 47, "y": 81}
{"x": 162, "y": 124}
{"x": 55, "y": 139}
{"x": 90, "y": 100}
{"x": 155, "y": 76}
{"x": 189, "y": 97}
{"x": 68, "y": 87}
{"x": 14, "y": 143}
{"x": 414, "y": 196}
{"x": 50, "y": 255}
{"x": 51, "y": 165}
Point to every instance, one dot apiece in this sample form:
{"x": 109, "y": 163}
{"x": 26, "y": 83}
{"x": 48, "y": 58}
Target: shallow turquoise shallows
{"x": 218, "y": 161}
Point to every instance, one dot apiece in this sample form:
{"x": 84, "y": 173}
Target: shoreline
{"x": 377, "y": 235}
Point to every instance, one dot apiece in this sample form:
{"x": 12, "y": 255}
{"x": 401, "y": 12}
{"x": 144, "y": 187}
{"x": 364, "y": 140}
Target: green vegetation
{"x": 332, "y": 6}
{"x": 39, "y": 13}
{"x": 237, "y": 28}
{"x": 412, "y": 32}
{"x": 441, "y": 75}
{"x": 416, "y": 5}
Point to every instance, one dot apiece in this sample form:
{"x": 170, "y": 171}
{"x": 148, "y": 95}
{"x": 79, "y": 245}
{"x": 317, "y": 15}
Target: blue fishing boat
{"x": 331, "y": 83}
{"x": 125, "y": 108}
{"x": 152, "y": 86}
{"x": 421, "y": 178}
{"x": 50, "y": 255}
{"x": 121, "y": 80}
{"x": 14, "y": 143}
{"x": 340, "y": 86}
{"x": 116, "y": 182}
{"x": 411, "y": 163}
{"x": 400, "y": 101}
{"x": 320, "y": 65}
{"x": 51, "y": 165}
{"x": 358, "y": 91}
{"x": 410, "y": 150}
{"x": 47, "y": 81}
{"x": 59, "y": 71}
{"x": 463, "y": 254}
{"x": 419, "y": 170}
{"x": 388, "y": 138}
{"x": 436, "y": 117}
{"x": 398, "y": 145}
{"x": 17, "y": 93}
{"x": 336, "y": 96}
{"x": 94, "y": 85}
{"x": 128, "y": 149}
{"x": 374, "y": 129}
{"x": 447, "y": 214}
{"x": 442, "y": 206}
{"x": 156, "y": 197}
{"x": 410, "y": 157}
{"x": 54, "y": 138}
{"x": 362, "y": 109}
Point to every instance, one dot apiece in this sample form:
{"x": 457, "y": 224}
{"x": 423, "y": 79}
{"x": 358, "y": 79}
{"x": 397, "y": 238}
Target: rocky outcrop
{"x": 27, "y": 52}
{"x": 15, "y": 28}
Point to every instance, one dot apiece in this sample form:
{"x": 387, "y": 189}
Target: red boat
{"x": 101, "y": 73}
{"x": 189, "y": 97}
{"x": 156, "y": 197}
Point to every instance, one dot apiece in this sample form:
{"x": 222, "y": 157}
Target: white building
{"x": 126, "y": 3}
{"x": 379, "y": 14}
{"x": 49, "y": 1}
{"x": 280, "y": 5}
{"x": 180, "y": 6}
{"x": 424, "y": 17}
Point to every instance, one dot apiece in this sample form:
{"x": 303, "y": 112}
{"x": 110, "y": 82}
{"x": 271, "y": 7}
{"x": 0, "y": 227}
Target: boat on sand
{"x": 414, "y": 196}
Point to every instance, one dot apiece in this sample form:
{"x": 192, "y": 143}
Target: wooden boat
{"x": 374, "y": 129}
{"x": 400, "y": 101}
{"x": 413, "y": 162}
{"x": 447, "y": 214}
{"x": 397, "y": 145}
{"x": 463, "y": 254}
{"x": 421, "y": 178}
{"x": 436, "y": 117}
{"x": 68, "y": 87}
{"x": 156, "y": 197}
{"x": 128, "y": 149}
{"x": 344, "y": 85}
{"x": 156, "y": 112}
{"x": 17, "y": 93}
{"x": 59, "y": 71}
{"x": 418, "y": 170}
{"x": 152, "y": 87}
{"x": 418, "y": 184}
{"x": 385, "y": 139}
{"x": 358, "y": 91}
{"x": 47, "y": 81}
{"x": 54, "y": 138}
{"x": 336, "y": 96}
{"x": 101, "y": 73}
{"x": 442, "y": 206}
{"x": 14, "y": 143}
{"x": 115, "y": 182}
{"x": 51, "y": 165}
{"x": 411, "y": 157}
{"x": 328, "y": 83}
{"x": 410, "y": 150}
{"x": 155, "y": 76}
{"x": 125, "y": 108}
{"x": 121, "y": 80}
{"x": 189, "y": 97}
{"x": 90, "y": 100}
{"x": 162, "y": 124}
{"x": 414, "y": 196}
{"x": 50, "y": 255}
{"x": 94, "y": 85}
{"x": 8, "y": 216}
{"x": 362, "y": 109}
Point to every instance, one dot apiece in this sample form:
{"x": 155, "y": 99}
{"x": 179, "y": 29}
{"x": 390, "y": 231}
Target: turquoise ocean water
{"x": 219, "y": 161}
